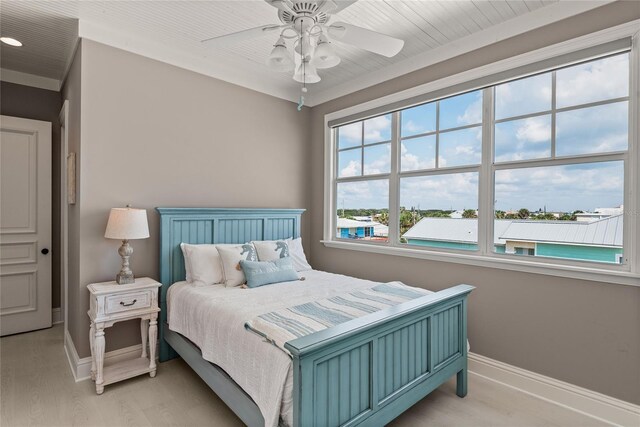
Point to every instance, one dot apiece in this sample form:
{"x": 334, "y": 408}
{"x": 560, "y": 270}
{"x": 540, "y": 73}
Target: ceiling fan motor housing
{"x": 305, "y": 13}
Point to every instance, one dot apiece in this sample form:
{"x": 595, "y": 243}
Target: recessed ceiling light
{"x": 10, "y": 41}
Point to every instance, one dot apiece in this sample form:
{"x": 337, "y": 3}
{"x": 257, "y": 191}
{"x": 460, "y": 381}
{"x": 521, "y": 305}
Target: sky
{"x": 594, "y": 129}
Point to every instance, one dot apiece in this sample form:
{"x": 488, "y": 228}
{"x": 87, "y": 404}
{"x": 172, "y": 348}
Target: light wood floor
{"x": 37, "y": 389}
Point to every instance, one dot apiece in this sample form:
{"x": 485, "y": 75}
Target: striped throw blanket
{"x": 287, "y": 324}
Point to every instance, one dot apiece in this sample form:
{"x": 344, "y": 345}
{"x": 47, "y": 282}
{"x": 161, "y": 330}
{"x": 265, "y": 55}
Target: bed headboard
{"x": 214, "y": 225}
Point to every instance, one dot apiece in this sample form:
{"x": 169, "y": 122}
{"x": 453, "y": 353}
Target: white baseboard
{"x": 56, "y": 316}
{"x": 596, "y": 405}
{"x": 81, "y": 368}
{"x": 72, "y": 354}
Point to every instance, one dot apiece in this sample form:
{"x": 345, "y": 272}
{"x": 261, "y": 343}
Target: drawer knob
{"x": 127, "y": 305}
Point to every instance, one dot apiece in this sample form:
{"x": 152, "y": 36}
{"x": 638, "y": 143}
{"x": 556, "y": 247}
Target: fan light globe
{"x": 306, "y": 73}
{"x": 324, "y": 55}
{"x": 279, "y": 59}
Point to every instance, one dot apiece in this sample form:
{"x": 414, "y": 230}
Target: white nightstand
{"x": 111, "y": 303}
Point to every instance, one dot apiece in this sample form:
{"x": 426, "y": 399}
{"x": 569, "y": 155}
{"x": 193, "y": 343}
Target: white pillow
{"x": 271, "y": 250}
{"x": 202, "y": 264}
{"x": 296, "y": 252}
{"x": 230, "y": 256}
{"x": 268, "y": 250}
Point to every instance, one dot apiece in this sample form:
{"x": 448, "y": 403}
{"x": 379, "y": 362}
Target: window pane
{"x": 440, "y": 211}
{"x": 350, "y": 162}
{"x": 363, "y": 210}
{"x": 417, "y": 120}
{"x": 460, "y": 147}
{"x": 377, "y": 129}
{"x": 523, "y": 139}
{"x": 598, "y": 129}
{"x": 571, "y": 211}
{"x": 525, "y": 96}
{"x": 350, "y": 135}
{"x": 418, "y": 153}
{"x": 461, "y": 110}
{"x": 377, "y": 159}
{"x": 593, "y": 81}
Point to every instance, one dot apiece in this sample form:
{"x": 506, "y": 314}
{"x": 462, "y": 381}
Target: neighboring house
{"x": 355, "y": 229}
{"x": 599, "y": 213}
{"x": 599, "y": 240}
{"x": 454, "y": 233}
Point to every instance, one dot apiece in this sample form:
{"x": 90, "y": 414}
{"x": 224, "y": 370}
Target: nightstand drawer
{"x": 126, "y": 302}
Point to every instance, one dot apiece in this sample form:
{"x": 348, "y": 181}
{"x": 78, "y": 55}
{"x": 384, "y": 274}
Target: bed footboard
{"x": 369, "y": 370}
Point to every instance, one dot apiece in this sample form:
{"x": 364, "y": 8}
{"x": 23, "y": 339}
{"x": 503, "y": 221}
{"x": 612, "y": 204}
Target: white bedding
{"x": 213, "y": 318}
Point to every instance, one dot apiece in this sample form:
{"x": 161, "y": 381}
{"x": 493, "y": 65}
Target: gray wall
{"x": 41, "y": 104}
{"x": 585, "y": 333}
{"x": 157, "y": 135}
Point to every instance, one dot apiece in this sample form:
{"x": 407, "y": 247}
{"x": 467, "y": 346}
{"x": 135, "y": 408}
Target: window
{"x": 574, "y": 123}
{"x": 533, "y": 167}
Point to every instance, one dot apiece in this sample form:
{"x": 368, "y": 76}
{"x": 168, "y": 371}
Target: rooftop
{"x": 603, "y": 232}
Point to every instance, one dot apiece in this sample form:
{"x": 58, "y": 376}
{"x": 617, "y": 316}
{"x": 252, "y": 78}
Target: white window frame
{"x": 626, "y": 274}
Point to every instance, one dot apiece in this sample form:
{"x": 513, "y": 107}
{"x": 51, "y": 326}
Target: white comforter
{"x": 213, "y": 318}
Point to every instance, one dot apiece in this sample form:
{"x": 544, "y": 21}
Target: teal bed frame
{"x": 363, "y": 372}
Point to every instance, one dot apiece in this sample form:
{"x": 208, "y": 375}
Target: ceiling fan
{"x": 306, "y": 23}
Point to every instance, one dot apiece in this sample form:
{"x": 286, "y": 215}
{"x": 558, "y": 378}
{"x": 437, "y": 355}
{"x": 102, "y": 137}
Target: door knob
{"x": 44, "y": 251}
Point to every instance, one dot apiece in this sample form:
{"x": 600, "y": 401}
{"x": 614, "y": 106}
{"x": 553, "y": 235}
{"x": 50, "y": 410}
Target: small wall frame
{"x": 71, "y": 178}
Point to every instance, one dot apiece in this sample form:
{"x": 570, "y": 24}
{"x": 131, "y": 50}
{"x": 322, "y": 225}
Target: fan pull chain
{"x": 304, "y": 71}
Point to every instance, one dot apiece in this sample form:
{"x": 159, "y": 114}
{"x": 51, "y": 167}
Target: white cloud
{"x": 412, "y": 127}
{"x": 457, "y": 191}
{"x": 351, "y": 134}
{"x": 352, "y": 169}
{"x": 525, "y": 96}
{"x": 377, "y": 129}
{"x": 534, "y": 129}
{"x": 363, "y": 194}
{"x": 562, "y": 188}
{"x": 596, "y": 80}
{"x": 410, "y": 161}
{"x": 473, "y": 113}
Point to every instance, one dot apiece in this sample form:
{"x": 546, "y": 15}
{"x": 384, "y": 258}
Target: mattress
{"x": 213, "y": 318}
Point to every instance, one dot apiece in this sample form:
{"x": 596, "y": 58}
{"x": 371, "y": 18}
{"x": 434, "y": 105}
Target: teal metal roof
{"x": 603, "y": 232}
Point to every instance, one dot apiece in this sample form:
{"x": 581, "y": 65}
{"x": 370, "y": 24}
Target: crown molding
{"x": 25, "y": 79}
{"x": 511, "y": 28}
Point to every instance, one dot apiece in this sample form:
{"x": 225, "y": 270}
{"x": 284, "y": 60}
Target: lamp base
{"x": 125, "y": 279}
{"x": 125, "y": 276}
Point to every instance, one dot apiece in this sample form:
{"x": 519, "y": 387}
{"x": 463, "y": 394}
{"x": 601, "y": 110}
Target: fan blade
{"x": 372, "y": 41}
{"x": 284, "y": 5}
{"x": 335, "y": 6}
{"x": 239, "y": 36}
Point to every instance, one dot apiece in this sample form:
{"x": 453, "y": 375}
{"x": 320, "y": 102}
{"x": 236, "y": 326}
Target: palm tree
{"x": 469, "y": 213}
{"x": 384, "y": 218}
{"x": 524, "y": 213}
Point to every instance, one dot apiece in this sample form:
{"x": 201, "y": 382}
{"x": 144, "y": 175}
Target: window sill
{"x": 574, "y": 272}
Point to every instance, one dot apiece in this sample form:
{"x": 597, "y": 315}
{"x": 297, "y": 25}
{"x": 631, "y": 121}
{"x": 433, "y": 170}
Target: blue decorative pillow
{"x": 260, "y": 273}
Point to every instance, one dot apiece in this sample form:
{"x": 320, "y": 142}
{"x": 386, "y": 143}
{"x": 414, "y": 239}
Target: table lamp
{"x": 126, "y": 224}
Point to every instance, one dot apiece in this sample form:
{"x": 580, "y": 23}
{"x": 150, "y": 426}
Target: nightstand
{"x": 111, "y": 303}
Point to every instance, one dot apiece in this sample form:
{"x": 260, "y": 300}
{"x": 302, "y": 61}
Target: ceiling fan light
{"x": 306, "y": 73}
{"x": 324, "y": 55}
{"x": 280, "y": 59}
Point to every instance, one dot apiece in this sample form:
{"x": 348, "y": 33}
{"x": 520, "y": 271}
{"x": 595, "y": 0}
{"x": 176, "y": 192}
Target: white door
{"x": 25, "y": 225}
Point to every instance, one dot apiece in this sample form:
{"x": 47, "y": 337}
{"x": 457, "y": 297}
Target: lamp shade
{"x": 306, "y": 73}
{"x": 127, "y": 224}
{"x": 324, "y": 55}
{"x": 280, "y": 59}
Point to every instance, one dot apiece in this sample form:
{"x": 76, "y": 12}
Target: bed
{"x": 366, "y": 371}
